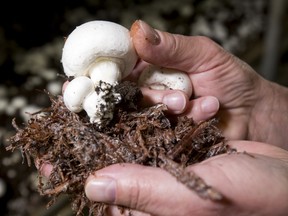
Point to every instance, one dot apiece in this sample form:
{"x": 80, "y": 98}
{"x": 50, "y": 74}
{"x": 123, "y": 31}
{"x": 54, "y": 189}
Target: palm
{"x": 252, "y": 184}
{"x": 249, "y": 181}
{"x": 234, "y": 84}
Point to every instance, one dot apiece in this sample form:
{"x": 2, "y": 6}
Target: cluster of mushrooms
{"x": 98, "y": 55}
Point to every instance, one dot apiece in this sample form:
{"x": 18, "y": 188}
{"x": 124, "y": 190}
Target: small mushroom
{"x": 160, "y": 78}
{"x": 103, "y": 52}
{"x": 100, "y": 104}
{"x": 76, "y": 92}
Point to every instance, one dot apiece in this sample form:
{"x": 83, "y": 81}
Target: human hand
{"x": 250, "y": 106}
{"x": 253, "y": 183}
{"x": 240, "y": 99}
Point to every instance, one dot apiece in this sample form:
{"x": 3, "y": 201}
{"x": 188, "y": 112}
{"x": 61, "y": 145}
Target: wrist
{"x": 269, "y": 117}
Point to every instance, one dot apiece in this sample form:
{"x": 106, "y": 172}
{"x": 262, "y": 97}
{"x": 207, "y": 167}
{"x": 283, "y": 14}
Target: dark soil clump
{"x": 147, "y": 136}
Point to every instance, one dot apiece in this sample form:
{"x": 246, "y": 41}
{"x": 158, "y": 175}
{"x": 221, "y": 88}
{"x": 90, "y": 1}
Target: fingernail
{"x": 210, "y": 105}
{"x": 175, "y": 102}
{"x": 151, "y": 35}
{"x": 101, "y": 189}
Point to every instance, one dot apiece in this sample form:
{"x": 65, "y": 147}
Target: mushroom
{"x": 100, "y": 104}
{"x": 160, "y": 78}
{"x": 98, "y": 54}
{"x": 102, "y": 50}
{"x": 76, "y": 92}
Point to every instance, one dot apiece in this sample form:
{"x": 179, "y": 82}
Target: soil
{"x": 144, "y": 135}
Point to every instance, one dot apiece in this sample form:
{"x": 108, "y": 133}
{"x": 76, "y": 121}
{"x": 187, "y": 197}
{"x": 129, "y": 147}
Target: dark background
{"x": 31, "y": 39}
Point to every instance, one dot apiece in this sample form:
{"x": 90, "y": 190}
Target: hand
{"x": 250, "y": 106}
{"x": 253, "y": 183}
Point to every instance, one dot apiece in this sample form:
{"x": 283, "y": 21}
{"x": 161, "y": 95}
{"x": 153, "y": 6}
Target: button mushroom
{"x": 97, "y": 45}
{"x": 103, "y": 52}
{"x": 76, "y": 92}
{"x": 159, "y": 78}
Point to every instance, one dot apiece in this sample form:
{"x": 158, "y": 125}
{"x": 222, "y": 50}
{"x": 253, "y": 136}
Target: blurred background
{"x": 32, "y": 36}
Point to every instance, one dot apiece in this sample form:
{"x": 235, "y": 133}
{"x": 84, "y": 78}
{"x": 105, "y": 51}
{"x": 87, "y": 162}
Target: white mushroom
{"x": 159, "y": 78}
{"x": 101, "y": 103}
{"x": 102, "y": 52}
{"x": 76, "y": 92}
{"x": 99, "y": 45}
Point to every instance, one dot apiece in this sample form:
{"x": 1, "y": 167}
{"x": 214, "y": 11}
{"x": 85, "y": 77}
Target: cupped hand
{"x": 246, "y": 99}
{"x": 253, "y": 183}
{"x": 248, "y": 106}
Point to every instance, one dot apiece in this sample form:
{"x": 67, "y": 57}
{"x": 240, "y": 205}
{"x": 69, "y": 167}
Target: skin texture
{"x": 253, "y": 181}
{"x": 253, "y": 184}
{"x": 250, "y": 107}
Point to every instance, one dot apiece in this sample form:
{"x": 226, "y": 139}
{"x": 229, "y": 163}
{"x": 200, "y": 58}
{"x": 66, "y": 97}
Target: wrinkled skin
{"x": 253, "y": 182}
{"x": 249, "y": 107}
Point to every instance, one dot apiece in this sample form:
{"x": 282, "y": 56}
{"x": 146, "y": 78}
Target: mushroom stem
{"x": 100, "y": 104}
{"x": 105, "y": 70}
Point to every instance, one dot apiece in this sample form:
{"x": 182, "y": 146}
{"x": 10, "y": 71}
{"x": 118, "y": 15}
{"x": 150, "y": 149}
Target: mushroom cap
{"x": 159, "y": 78}
{"x": 97, "y": 41}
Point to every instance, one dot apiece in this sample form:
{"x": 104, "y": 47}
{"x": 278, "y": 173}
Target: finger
{"x": 202, "y": 108}
{"x": 186, "y": 53}
{"x": 144, "y": 189}
{"x": 115, "y": 211}
{"x": 259, "y": 148}
{"x": 64, "y": 86}
{"x": 139, "y": 67}
{"x": 176, "y": 101}
{"x": 44, "y": 168}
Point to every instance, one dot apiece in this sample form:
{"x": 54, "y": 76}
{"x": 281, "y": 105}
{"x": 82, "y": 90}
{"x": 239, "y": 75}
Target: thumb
{"x": 141, "y": 188}
{"x": 186, "y": 53}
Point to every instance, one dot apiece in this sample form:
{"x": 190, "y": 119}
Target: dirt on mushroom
{"x": 142, "y": 135}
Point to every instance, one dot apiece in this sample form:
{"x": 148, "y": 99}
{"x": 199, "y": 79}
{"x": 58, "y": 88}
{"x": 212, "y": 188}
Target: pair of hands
{"x": 249, "y": 108}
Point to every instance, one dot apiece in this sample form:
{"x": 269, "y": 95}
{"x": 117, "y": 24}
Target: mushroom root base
{"x": 146, "y": 136}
